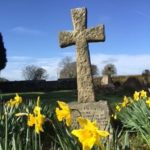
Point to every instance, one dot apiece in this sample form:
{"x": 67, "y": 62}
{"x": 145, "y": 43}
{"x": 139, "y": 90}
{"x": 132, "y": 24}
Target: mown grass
{"x": 50, "y": 98}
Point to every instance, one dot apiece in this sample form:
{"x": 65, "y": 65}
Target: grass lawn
{"x": 50, "y": 98}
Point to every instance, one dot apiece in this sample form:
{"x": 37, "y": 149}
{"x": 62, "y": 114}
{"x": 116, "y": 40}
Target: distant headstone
{"x": 80, "y": 36}
{"x": 106, "y": 80}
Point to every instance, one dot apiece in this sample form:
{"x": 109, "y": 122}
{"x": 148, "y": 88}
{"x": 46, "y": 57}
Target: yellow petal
{"x": 103, "y": 133}
{"x": 86, "y": 138}
{"x": 143, "y": 94}
{"x": 63, "y": 105}
{"x": 148, "y": 102}
{"x": 118, "y": 108}
{"x": 59, "y": 114}
{"x": 68, "y": 120}
{"x": 63, "y": 113}
{"x": 37, "y": 110}
{"x": 38, "y": 129}
{"x": 39, "y": 121}
{"x": 31, "y": 120}
{"x": 136, "y": 96}
{"x": 17, "y": 98}
{"x": 82, "y": 122}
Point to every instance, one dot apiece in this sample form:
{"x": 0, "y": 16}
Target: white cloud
{"x": 24, "y": 30}
{"x": 15, "y": 65}
{"x": 125, "y": 64}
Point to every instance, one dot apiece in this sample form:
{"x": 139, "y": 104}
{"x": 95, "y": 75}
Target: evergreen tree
{"x": 3, "y": 59}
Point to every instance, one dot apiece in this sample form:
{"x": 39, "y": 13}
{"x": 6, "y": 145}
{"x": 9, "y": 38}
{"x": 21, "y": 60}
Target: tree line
{"x": 67, "y": 69}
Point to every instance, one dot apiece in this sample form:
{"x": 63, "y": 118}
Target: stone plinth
{"x": 98, "y": 111}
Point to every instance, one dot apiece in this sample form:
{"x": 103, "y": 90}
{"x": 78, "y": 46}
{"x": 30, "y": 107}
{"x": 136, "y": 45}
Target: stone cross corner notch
{"x": 80, "y": 37}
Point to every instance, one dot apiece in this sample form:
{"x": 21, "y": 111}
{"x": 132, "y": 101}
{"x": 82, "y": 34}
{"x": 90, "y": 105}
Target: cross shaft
{"x": 80, "y": 37}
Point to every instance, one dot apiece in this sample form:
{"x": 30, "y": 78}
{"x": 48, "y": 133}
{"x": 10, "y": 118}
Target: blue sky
{"x": 30, "y": 29}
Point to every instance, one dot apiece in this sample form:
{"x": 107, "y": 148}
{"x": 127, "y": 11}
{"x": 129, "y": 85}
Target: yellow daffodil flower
{"x": 143, "y": 94}
{"x": 18, "y": 98}
{"x": 125, "y": 102}
{"x": 36, "y": 119}
{"x": 63, "y": 113}
{"x": 39, "y": 120}
{"x": 89, "y": 134}
{"x": 125, "y": 99}
{"x": 136, "y": 96}
{"x": 118, "y": 108}
{"x": 14, "y": 102}
{"x": 148, "y": 102}
{"x": 37, "y": 108}
{"x": 31, "y": 120}
{"x": 114, "y": 116}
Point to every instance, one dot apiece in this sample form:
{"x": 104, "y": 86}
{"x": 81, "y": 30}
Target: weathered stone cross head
{"x": 80, "y": 36}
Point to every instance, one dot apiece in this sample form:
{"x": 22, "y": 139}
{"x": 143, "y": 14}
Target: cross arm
{"x": 66, "y": 39}
{"x": 95, "y": 34}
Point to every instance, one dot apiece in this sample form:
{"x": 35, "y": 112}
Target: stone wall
{"x": 60, "y": 84}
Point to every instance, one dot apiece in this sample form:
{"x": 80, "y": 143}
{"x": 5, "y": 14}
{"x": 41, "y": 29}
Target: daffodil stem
{"x": 27, "y": 139}
{"x": 35, "y": 141}
{"x": 6, "y": 132}
{"x": 39, "y": 142}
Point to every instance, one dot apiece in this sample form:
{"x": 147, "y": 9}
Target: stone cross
{"x": 80, "y": 36}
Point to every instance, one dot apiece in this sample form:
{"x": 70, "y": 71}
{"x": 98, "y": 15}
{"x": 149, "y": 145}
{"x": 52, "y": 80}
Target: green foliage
{"x": 135, "y": 116}
{"x": 15, "y": 134}
{"x": 64, "y": 138}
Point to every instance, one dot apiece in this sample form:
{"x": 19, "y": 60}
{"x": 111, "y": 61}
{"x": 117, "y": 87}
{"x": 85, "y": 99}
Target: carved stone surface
{"x": 80, "y": 36}
{"x": 98, "y": 111}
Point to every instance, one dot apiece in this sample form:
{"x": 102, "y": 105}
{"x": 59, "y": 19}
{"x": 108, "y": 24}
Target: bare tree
{"x": 68, "y": 69}
{"x": 32, "y": 72}
{"x": 109, "y": 70}
{"x": 65, "y": 61}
